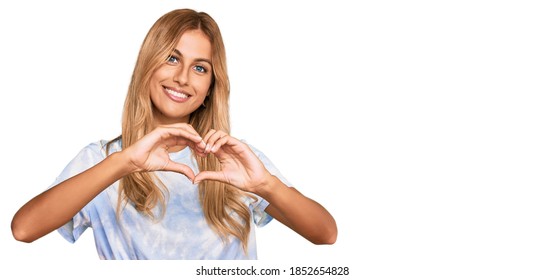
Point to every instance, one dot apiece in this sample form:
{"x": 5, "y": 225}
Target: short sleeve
{"x": 85, "y": 159}
{"x": 260, "y": 217}
{"x": 72, "y": 230}
{"x": 270, "y": 166}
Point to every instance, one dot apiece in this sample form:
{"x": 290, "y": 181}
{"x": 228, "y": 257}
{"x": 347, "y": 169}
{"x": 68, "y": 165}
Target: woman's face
{"x": 180, "y": 85}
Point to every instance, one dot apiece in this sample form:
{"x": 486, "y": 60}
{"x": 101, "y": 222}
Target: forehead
{"x": 194, "y": 44}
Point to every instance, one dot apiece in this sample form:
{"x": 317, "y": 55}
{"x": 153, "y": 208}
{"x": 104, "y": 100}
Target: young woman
{"x": 175, "y": 184}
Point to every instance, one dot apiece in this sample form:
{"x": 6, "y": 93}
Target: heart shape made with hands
{"x": 239, "y": 165}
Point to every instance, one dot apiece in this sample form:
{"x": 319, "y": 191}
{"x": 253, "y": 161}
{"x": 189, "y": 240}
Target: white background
{"x": 418, "y": 125}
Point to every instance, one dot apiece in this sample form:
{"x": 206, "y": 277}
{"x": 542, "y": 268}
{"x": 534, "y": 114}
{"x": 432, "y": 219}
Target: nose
{"x": 181, "y": 76}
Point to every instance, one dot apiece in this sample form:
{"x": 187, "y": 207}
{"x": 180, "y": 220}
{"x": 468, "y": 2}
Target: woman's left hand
{"x": 240, "y": 167}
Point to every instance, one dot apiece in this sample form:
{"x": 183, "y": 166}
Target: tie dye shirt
{"x": 182, "y": 233}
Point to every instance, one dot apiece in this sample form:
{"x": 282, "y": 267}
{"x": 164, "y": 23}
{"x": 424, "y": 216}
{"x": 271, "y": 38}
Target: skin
{"x": 187, "y": 71}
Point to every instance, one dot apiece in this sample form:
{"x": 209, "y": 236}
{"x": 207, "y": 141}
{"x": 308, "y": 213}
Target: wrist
{"x": 268, "y": 186}
{"x": 122, "y": 164}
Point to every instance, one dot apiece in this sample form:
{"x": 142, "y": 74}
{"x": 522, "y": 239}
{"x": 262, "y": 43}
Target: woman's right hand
{"x": 150, "y": 153}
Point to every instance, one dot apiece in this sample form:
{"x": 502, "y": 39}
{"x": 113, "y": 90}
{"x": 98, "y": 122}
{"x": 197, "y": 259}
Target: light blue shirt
{"x": 182, "y": 233}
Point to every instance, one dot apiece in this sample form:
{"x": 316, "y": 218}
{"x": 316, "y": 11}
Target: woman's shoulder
{"x": 267, "y": 162}
{"x": 88, "y": 156}
{"x": 252, "y": 147}
{"x": 259, "y": 153}
{"x": 102, "y": 147}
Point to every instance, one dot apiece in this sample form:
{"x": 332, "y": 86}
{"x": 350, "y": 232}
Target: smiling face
{"x": 180, "y": 85}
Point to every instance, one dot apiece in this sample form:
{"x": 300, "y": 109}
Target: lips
{"x": 176, "y": 95}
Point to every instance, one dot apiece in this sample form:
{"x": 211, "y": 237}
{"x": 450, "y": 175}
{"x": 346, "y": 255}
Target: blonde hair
{"x": 144, "y": 189}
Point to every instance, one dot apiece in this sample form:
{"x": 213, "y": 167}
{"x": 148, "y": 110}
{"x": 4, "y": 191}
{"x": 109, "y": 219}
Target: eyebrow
{"x": 176, "y": 51}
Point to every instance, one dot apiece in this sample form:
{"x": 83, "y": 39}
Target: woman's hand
{"x": 150, "y": 153}
{"x": 240, "y": 167}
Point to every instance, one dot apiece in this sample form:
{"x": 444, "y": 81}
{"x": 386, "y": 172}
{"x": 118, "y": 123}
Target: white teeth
{"x": 177, "y": 94}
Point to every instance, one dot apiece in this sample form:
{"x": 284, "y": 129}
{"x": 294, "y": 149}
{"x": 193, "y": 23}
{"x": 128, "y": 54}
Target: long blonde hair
{"x": 144, "y": 189}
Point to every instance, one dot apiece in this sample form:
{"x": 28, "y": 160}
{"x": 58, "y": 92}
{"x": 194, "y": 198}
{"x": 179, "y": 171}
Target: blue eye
{"x": 200, "y": 69}
{"x": 172, "y": 59}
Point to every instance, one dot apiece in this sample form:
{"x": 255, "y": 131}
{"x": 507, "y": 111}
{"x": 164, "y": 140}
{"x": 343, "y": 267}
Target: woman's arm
{"x": 240, "y": 167}
{"x": 56, "y": 206}
{"x": 300, "y": 213}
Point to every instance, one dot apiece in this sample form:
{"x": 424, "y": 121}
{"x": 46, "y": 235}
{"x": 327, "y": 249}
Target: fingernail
{"x": 214, "y": 149}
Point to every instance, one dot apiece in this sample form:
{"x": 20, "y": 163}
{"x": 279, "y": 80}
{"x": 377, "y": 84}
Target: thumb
{"x": 180, "y": 168}
{"x": 210, "y": 175}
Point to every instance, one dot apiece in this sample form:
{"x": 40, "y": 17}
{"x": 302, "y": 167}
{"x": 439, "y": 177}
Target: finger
{"x": 215, "y": 137}
{"x": 184, "y": 126}
{"x": 176, "y": 136}
{"x": 181, "y": 141}
{"x": 207, "y": 138}
{"x": 210, "y": 175}
{"x": 174, "y": 141}
{"x": 195, "y": 145}
{"x": 180, "y": 168}
{"x": 200, "y": 146}
{"x": 209, "y": 134}
{"x": 200, "y": 153}
{"x": 219, "y": 143}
